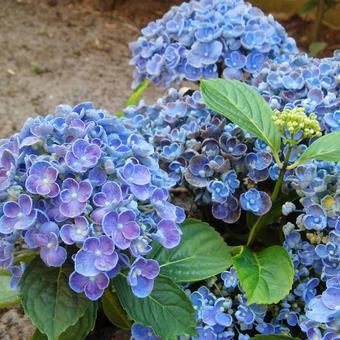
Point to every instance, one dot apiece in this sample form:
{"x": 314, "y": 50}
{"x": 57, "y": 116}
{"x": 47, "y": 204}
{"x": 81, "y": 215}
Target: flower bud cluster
{"x": 294, "y": 125}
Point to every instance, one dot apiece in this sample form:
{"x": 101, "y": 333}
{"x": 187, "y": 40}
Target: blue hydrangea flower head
{"x": 209, "y": 39}
{"x": 86, "y": 178}
{"x": 204, "y": 153}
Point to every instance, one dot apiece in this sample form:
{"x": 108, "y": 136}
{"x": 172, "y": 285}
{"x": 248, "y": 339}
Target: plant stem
{"x": 24, "y": 255}
{"x": 254, "y": 231}
{"x": 318, "y": 20}
{"x": 277, "y": 189}
{"x": 278, "y": 185}
{"x": 277, "y": 158}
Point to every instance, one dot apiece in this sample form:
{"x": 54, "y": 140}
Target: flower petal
{"x": 143, "y": 288}
{"x": 84, "y": 264}
{"x": 11, "y": 209}
{"x": 72, "y": 209}
{"x": 25, "y": 203}
{"x": 53, "y": 257}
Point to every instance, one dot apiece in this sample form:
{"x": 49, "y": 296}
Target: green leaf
{"x": 308, "y": 6}
{"x": 272, "y": 337}
{"x": 167, "y": 310}
{"x": 138, "y": 92}
{"x": 8, "y": 297}
{"x": 47, "y": 299}
{"x": 266, "y": 276}
{"x": 202, "y": 253}
{"x": 241, "y": 104}
{"x": 79, "y": 331}
{"x": 316, "y": 47}
{"x": 83, "y": 327}
{"x": 325, "y": 148}
{"x": 114, "y": 311}
{"x": 38, "y": 335}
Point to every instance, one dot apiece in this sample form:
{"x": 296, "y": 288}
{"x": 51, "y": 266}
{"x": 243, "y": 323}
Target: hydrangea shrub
{"x": 211, "y": 214}
{"x": 299, "y": 209}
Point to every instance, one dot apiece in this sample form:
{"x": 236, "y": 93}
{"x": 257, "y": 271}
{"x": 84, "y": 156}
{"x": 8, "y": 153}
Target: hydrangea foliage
{"x": 311, "y": 224}
{"x": 207, "y": 39}
{"x": 86, "y": 178}
{"x": 190, "y": 142}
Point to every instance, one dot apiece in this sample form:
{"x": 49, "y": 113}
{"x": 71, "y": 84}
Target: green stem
{"x": 294, "y": 165}
{"x": 254, "y": 231}
{"x": 138, "y": 92}
{"x": 24, "y": 255}
{"x": 276, "y": 158}
{"x": 320, "y": 9}
{"x": 277, "y": 189}
{"x": 218, "y": 289}
{"x": 278, "y": 185}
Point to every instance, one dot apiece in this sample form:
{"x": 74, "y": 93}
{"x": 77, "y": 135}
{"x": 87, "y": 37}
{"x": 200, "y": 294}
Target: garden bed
{"x": 69, "y": 51}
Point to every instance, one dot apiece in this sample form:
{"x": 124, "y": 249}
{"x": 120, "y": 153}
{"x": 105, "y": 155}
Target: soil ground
{"x": 68, "y": 51}
{"x": 54, "y": 52}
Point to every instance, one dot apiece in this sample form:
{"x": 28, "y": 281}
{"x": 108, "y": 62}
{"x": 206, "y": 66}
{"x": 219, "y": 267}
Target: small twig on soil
{"x": 179, "y": 190}
{"x": 124, "y": 23}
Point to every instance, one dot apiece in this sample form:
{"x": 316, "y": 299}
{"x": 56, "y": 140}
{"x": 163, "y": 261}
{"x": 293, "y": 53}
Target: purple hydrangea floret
{"x": 142, "y": 275}
{"x": 74, "y": 197}
{"x": 42, "y": 179}
{"x": 17, "y": 215}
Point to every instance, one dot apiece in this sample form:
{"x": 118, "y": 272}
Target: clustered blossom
{"x": 313, "y": 242}
{"x": 86, "y": 178}
{"x": 225, "y": 167}
{"x": 208, "y": 39}
{"x": 201, "y": 151}
{"x": 222, "y": 166}
{"x": 294, "y": 125}
{"x": 302, "y": 81}
{"x": 312, "y": 308}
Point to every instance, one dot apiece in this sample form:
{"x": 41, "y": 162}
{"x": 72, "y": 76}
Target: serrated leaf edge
{"x": 192, "y": 330}
{"x": 34, "y": 323}
{"x": 250, "y": 301}
{"x": 274, "y": 145}
{"x": 190, "y": 221}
